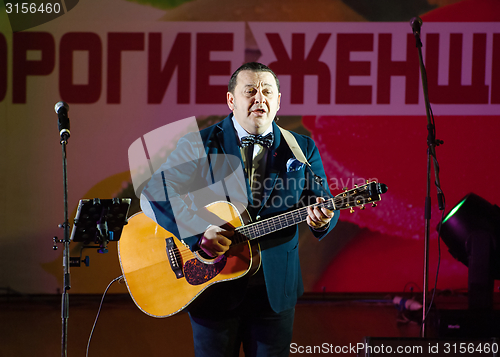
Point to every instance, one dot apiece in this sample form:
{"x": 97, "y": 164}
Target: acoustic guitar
{"x": 164, "y": 276}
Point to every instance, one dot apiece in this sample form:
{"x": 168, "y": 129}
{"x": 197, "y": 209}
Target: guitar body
{"x": 164, "y": 276}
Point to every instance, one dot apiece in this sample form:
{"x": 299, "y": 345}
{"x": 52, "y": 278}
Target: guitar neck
{"x": 282, "y": 221}
{"x": 358, "y": 196}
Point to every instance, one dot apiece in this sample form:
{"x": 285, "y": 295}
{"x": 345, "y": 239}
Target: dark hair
{"x": 254, "y": 67}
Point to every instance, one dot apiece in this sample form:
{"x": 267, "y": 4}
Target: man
{"x": 255, "y": 310}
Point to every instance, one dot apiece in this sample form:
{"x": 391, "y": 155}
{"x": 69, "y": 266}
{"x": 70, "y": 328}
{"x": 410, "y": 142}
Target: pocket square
{"x": 294, "y": 165}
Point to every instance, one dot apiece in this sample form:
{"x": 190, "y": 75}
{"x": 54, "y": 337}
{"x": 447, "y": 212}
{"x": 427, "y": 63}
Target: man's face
{"x": 255, "y": 100}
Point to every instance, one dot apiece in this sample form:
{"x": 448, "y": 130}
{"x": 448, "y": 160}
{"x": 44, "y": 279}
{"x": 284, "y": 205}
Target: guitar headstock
{"x": 368, "y": 193}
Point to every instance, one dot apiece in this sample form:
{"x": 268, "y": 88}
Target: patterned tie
{"x": 255, "y": 158}
{"x": 265, "y": 141}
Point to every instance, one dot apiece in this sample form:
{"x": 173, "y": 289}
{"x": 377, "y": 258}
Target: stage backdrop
{"x": 350, "y": 79}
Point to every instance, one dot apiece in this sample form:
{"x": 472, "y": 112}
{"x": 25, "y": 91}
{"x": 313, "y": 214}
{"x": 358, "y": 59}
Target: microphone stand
{"x": 431, "y": 153}
{"x": 66, "y": 252}
{"x": 62, "y": 109}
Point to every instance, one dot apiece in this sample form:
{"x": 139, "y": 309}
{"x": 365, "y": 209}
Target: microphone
{"x": 416, "y": 23}
{"x": 62, "y": 109}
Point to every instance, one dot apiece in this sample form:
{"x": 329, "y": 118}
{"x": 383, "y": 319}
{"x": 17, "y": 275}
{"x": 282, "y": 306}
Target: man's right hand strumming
{"x": 215, "y": 241}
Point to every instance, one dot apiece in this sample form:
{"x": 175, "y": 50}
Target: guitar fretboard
{"x": 358, "y": 196}
{"x": 270, "y": 225}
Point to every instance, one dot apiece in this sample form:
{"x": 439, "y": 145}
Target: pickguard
{"x": 197, "y": 272}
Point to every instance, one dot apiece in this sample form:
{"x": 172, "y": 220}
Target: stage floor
{"x": 31, "y": 325}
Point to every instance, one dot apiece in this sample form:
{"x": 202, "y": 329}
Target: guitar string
{"x": 244, "y": 231}
{"x": 250, "y": 230}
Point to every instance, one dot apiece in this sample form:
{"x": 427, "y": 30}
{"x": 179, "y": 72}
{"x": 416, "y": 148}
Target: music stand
{"x": 100, "y": 221}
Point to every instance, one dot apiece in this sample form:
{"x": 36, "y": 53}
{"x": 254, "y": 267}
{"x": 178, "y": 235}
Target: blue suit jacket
{"x": 191, "y": 178}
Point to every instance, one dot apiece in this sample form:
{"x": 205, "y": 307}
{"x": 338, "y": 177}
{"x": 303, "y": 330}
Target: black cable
{"x": 442, "y": 206}
{"x": 437, "y": 270}
{"x": 99, "y": 311}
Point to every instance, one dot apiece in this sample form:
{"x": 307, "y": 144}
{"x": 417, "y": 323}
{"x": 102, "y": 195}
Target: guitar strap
{"x": 294, "y": 146}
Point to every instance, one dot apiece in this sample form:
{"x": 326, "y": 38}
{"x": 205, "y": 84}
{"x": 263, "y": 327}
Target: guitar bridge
{"x": 174, "y": 258}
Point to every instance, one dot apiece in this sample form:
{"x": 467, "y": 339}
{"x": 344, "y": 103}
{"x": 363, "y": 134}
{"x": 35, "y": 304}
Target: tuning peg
{"x": 355, "y": 186}
{"x": 345, "y": 188}
{"x": 374, "y": 204}
{"x": 362, "y": 207}
{"x": 351, "y": 210}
